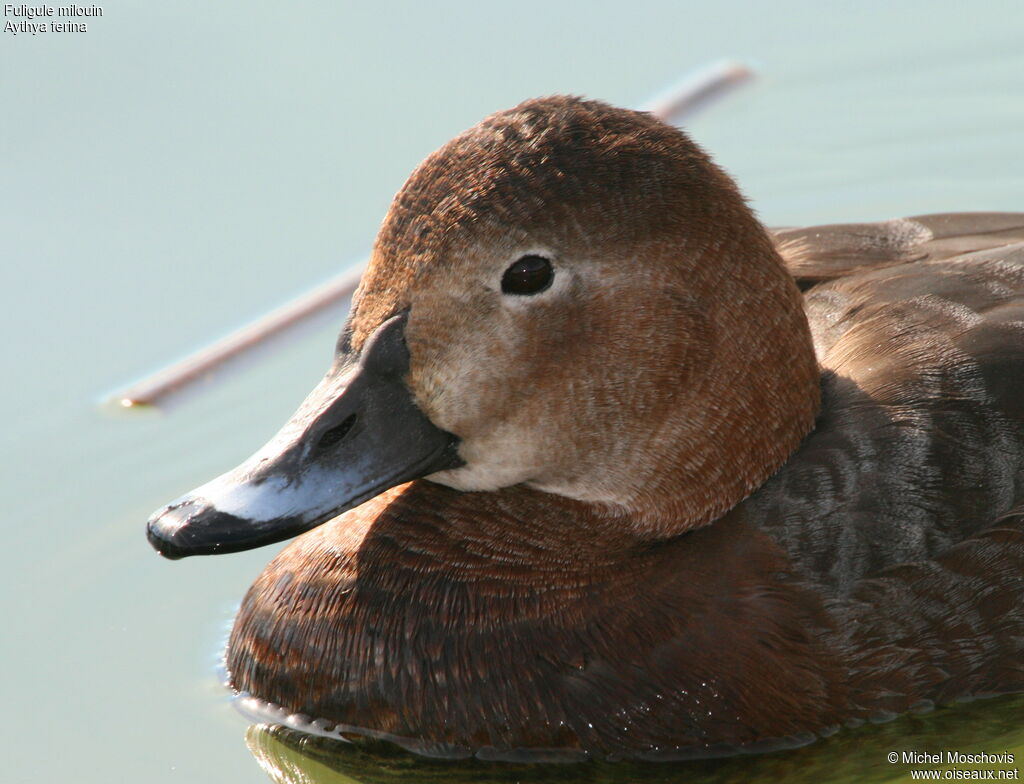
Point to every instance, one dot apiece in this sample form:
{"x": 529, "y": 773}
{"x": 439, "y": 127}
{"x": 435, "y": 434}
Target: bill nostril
{"x": 335, "y": 434}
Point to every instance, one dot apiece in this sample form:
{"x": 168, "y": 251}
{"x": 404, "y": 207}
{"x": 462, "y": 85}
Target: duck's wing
{"x": 920, "y": 441}
{"x": 906, "y": 504}
{"x": 942, "y": 628}
{"x": 814, "y": 254}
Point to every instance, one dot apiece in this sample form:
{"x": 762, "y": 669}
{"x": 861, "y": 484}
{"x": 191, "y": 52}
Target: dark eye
{"x": 528, "y": 275}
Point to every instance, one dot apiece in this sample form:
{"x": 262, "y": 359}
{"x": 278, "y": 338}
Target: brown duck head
{"x": 567, "y": 296}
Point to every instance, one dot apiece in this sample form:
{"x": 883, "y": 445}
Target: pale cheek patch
{"x": 461, "y": 378}
{"x": 500, "y": 459}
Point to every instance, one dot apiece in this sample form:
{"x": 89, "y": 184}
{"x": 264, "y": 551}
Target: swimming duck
{"x": 604, "y": 467}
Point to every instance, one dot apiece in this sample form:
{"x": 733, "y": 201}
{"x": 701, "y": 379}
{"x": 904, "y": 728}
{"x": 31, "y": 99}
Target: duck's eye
{"x": 529, "y": 275}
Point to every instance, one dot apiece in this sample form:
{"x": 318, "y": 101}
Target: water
{"x": 182, "y": 167}
{"x": 859, "y": 756}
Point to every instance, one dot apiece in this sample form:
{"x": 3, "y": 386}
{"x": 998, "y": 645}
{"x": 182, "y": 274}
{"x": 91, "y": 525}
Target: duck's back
{"x": 919, "y": 329}
{"x": 905, "y": 505}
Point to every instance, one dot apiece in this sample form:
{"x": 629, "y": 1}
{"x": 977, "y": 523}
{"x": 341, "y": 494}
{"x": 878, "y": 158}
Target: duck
{"x": 604, "y": 468}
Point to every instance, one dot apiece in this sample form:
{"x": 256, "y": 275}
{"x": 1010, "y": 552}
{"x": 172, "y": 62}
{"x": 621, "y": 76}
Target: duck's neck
{"x": 748, "y": 406}
{"x": 514, "y": 536}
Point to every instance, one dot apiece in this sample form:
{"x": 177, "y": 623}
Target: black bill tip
{"x": 162, "y": 543}
{"x": 196, "y": 528}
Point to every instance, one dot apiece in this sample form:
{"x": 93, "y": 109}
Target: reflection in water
{"x": 991, "y": 726}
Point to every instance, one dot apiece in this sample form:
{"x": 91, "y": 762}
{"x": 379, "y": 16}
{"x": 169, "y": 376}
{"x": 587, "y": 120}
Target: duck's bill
{"x": 356, "y": 435}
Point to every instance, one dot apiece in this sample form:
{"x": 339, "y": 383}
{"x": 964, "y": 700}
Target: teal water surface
{"x": 182, "y": 167}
